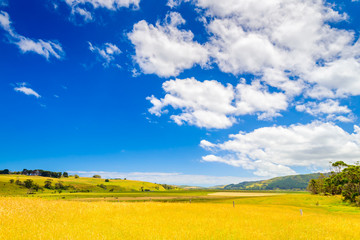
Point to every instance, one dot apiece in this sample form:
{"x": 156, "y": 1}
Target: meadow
{"x": 128, "y": 213}
{"x": 258, "y": 217}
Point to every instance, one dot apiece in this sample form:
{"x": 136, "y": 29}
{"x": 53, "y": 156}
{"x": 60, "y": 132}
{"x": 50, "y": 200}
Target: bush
{"x": 76, "y": 176}
{"x": 36, "y": 187}
{"x": 107, "y": 180}
{"x": 48, "y": 184}
{"x": 96, "y": 176}
{"x": 18, "y": 182}
{"x": 28, "y": 183}
{"x": 12, "y": 181}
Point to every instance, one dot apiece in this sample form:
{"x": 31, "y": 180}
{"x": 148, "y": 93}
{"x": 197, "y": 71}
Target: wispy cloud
{"x": 41, "y": 47}
{"x": 106, "y": 53}
{"x": 26, "y": 90}
{"x": 84, "y": 8}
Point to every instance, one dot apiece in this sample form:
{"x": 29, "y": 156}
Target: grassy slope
{"x": 287, "y": 182}
{"x": 82, "y": 183}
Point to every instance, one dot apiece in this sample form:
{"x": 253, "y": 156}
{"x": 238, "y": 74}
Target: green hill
{"x": 11, "y": 184}
{"x": 293, "y": 182}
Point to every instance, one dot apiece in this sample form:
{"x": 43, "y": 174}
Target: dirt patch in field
{"x": 242, "y": 194}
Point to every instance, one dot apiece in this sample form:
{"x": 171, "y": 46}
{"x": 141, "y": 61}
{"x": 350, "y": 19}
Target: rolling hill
{"x": 9, "y": 186}
{"x": 293, "y": 182}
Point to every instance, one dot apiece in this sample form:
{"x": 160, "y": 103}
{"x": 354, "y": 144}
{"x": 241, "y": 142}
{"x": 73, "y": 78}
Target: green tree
{"x": 345, "y": 180}
{"x": 96, "y": 176}
{"x": 28, "y": 183}
{"x": 48, "y": 184}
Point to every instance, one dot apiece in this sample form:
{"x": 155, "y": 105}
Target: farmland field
{"x": 253, "y": 217}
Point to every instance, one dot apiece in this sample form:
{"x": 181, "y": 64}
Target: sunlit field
{"x": 271, "y": 217}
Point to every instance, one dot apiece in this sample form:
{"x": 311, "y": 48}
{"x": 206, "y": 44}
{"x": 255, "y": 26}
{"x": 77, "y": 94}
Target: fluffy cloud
{"x": 336, "y": 79}
{"x": 84, "y": 7}
{"x": 169, "y": 178}
{"x": 210, "y": 104}
{"x": 106, "y": 54}
{"x": 330, "y": 108}
{"x": 41, "y": 47}
{"x": 289, "y": 44}
{"x": 164, "y": 49}
{"x": 28, "y": 91}
{"x": 272, "y": 151}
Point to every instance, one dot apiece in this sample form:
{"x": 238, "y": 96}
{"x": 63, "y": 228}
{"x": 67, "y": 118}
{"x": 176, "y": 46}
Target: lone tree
{"x": 96, "y": 176}
{"x": 65, "y": 174}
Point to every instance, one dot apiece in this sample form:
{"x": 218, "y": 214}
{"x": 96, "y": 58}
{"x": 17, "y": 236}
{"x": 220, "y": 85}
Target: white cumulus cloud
{"x": 210, "y": 104}
{"x": 330, "y": 108}
{"x": 273, "y": 151}
{"x": 164, "y": 49}
{"x": 289, "y": 44}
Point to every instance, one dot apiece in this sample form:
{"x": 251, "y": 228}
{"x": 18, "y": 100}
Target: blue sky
{"x": 196, "y": 92}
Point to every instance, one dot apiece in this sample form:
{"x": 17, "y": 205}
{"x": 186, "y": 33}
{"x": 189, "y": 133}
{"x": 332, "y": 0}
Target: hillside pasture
{"x": 84, "y": 184}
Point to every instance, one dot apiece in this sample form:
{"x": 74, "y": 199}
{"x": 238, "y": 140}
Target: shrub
{"x": 48, "y": 184}
{"x": 18, "y": 182}
{"x": 96, "y": 176}
{"x": 107, "y": 180}
{"x": 12, "y": 181}
{"x": 28, "y": 183}
{"x": 76, "y": 176}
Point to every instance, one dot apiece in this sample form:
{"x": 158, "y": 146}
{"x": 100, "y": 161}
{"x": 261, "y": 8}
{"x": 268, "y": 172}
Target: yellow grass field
{"x": 276, "y": 217}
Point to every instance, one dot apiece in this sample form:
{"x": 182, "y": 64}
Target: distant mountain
{"x": 293, "y": 182}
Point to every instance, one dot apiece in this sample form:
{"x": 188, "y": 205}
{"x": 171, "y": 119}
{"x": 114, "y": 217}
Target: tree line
{"x": 344, "y": 180}
{"x": 36, "y": 172}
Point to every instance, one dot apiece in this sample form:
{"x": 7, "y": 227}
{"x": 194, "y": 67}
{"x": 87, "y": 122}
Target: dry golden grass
{"x": 28, "y": 218}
